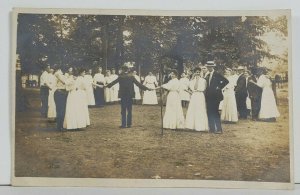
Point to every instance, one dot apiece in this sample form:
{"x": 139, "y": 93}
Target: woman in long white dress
{"x": 184, "y": 85}
{"x": 173, "y": 117}
{"x": 150, "y": 97}
{"x": 107, "y": 91}
{"x": 77, "y": 113}
{"x": 196, "y": 117}
{"x": 52, "y": 87}
{"x": 229, "y": 109}
{"x": 114, "y": 89}
{"x": 89, "y": 88}
{"x": 268, "y": 109}
{"x": 137, "y": 92}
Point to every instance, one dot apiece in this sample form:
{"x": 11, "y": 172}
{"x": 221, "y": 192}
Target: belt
{"x": 62, "y": 90}
{"x": 198, "y": 91}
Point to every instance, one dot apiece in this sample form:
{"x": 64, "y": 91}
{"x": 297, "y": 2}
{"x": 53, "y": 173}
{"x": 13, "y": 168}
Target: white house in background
{"x": 30, "y": 80}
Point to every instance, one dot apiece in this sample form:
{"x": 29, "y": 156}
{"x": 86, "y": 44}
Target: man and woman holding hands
{"x": 202, "y": 114}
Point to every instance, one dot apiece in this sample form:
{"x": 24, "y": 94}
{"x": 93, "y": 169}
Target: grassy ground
{"x": 247, "y": 151}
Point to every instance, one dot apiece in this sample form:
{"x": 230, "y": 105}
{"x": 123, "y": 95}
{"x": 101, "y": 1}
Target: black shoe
{"x": 128, "y": 126}
{"x": 218, "y": 132}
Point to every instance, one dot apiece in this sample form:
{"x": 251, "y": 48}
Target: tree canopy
{"x": 148, "y": 41}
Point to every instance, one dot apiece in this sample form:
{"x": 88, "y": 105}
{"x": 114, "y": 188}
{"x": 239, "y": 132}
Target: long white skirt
{"x": 137, "y": 93}
{"x": 150, "y": 97}
{"x": 51, "y": 105}
{"x": 185, "y": 96}
{"x": 77, "y": 113}
{"x": 173, "y": 118}
{"x": 114, "y": 93}
{"x": 108, "y": 95}
{"x": 90, "y": 96}
{"x": 229, "y": 110}
{"x": 268, "y": 107}
{"x": 196, "y": 117}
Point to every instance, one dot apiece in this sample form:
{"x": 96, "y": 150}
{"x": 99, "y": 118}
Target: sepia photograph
{"x": 132, "y": 98}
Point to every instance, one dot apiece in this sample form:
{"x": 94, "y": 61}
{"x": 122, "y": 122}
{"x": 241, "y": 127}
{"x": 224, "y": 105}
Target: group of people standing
{"x": 66, "y": 97}
{"x": 205, "y": 91}
{"x": 210, "y": 97}
{"x": 213, "y": 97}
{"x": 253, "y": 93}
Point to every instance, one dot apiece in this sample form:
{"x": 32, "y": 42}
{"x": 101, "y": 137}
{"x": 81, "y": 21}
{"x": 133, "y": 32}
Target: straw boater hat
{"x": 210, "y": 64}
{"x": 240, "y": 68}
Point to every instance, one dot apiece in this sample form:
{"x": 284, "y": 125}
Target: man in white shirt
{"x": 60, "y": 97}
{"x": 44, "y": 91}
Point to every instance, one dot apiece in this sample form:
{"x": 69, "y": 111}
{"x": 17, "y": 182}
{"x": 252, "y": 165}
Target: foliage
{"x": 148, "y": 41}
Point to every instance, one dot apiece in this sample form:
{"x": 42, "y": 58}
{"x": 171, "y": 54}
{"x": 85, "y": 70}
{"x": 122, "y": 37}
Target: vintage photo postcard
{"x": 139, "y": 98}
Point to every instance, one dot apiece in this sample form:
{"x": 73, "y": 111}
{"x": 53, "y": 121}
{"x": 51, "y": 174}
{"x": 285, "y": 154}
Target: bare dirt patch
{"x": 247, "y": 151}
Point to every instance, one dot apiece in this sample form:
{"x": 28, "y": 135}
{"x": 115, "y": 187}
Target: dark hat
{"x": 56, "y": 67}
{"x": 197, "y": 69}
{"x": 124, "y": 68}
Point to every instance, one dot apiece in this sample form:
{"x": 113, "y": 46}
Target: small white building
{"x": 30, "y": 80}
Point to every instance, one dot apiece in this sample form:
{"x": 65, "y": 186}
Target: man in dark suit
{"x": 126, "y": 94}
{"x": 255, "y": 93}
{"x": 241, "y": 94}
{"x": 215, "y": 83}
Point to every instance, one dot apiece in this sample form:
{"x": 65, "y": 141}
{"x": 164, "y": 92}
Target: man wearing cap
{"x": 126, "y": 94}
{"x": 215, "y": 83}
{"x": 241, "y": 93}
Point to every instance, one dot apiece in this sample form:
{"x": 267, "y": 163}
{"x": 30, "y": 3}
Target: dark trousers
{"x": 241, "y": 106}
{"x": 126, "y": 109}
{"x": 99, "y": 96}
{"x": 44, "y": 94}
{"x": 255, "y": 106}
{"x": 213, "y": 115}
{"x": 60, "y": 98}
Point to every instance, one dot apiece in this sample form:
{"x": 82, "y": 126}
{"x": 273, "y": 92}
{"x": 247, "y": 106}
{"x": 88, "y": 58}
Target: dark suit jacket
{"x": 214, "y": 89}
{"x": 254, "y": 90}
{"x": 166, "y": 78}
{"x": 241, "y": 88}
{"x": 126, "y": 82}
